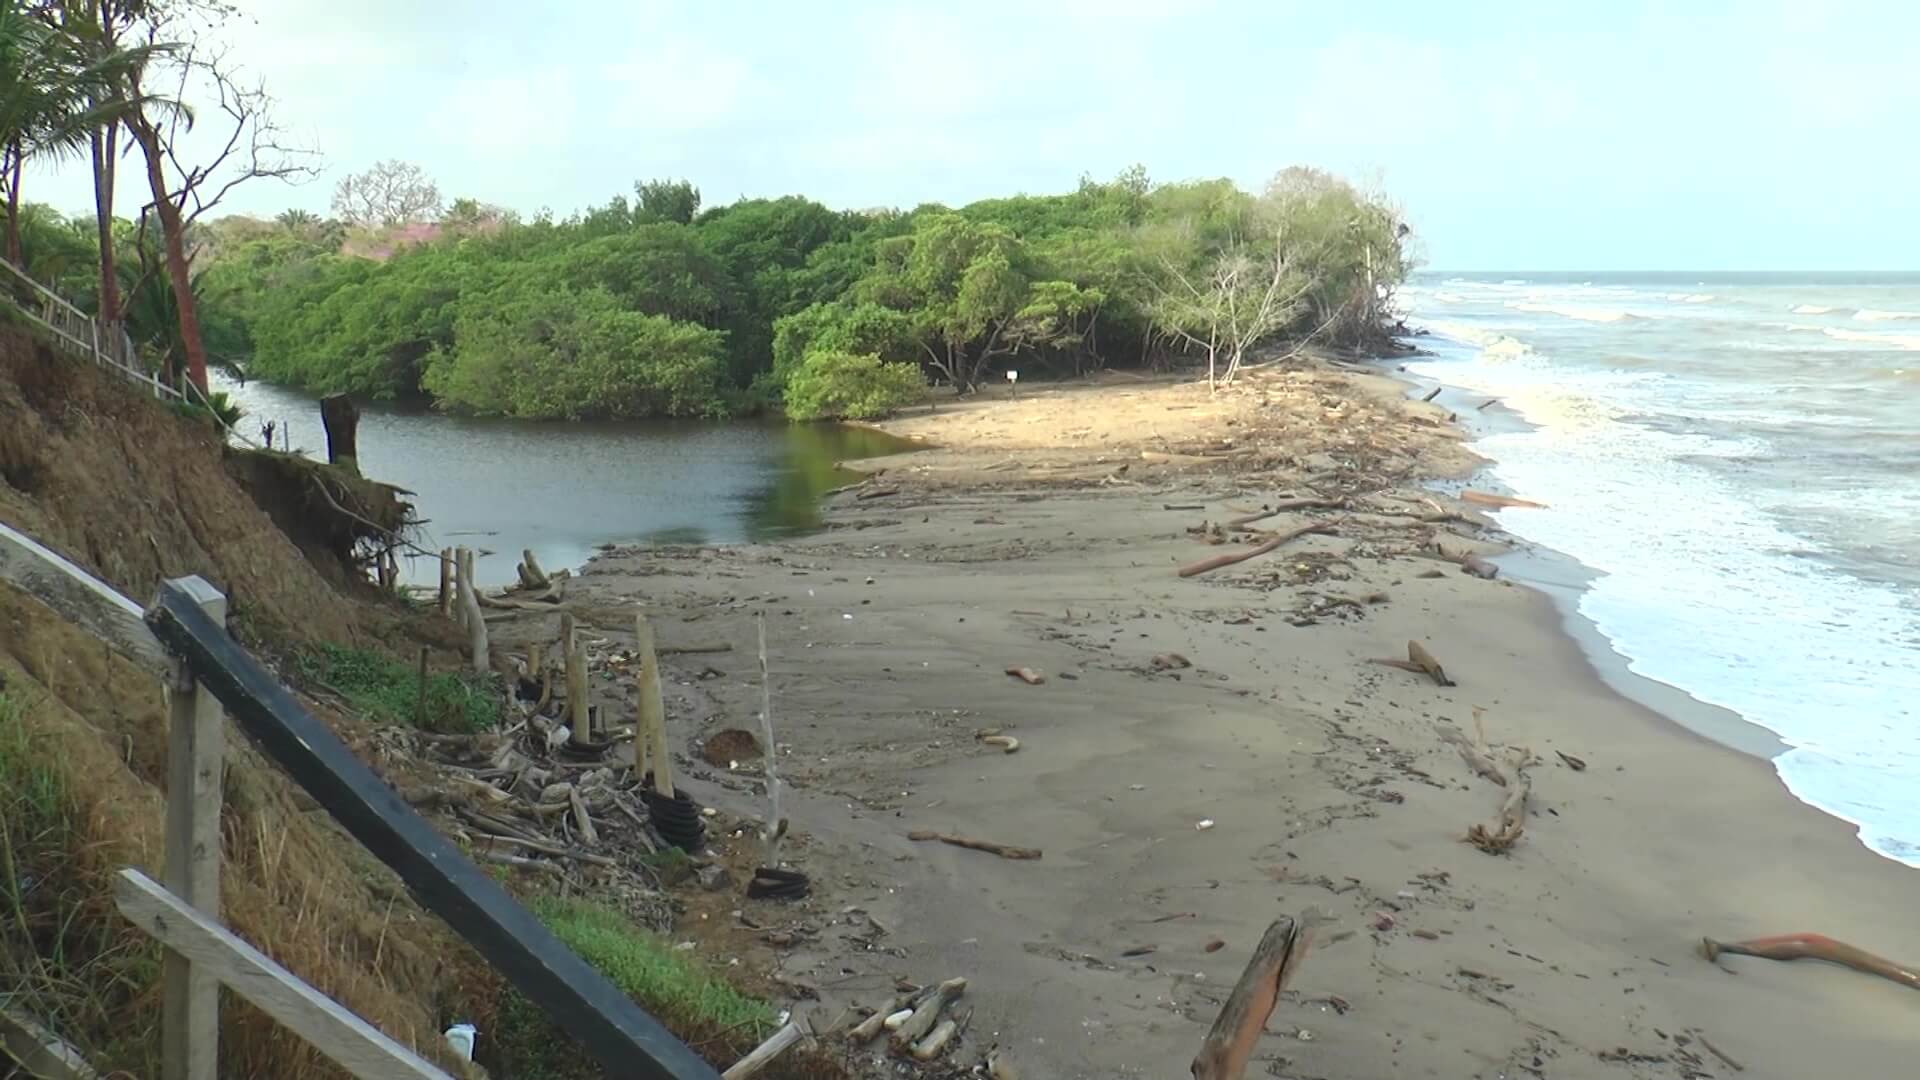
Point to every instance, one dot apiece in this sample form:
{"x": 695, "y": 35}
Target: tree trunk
{"x": 13, "y": 162}
{"x": 342, "y": 421}
{"x": 173, "y": 232}
{"x": 104, "y": 145}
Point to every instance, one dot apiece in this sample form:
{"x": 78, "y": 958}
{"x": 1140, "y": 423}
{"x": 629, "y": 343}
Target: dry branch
{"x": 1512, "y": 822}
{"x": 1005, "y": 851}
{"x": 1475, "y": 755}
{"x": 1218, "y": 561}
{"x": 1224, "y": 1053}
{"x": 1286, "y": 505}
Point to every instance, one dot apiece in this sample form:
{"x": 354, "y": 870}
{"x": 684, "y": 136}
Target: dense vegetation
{"x": 653, "y": 307}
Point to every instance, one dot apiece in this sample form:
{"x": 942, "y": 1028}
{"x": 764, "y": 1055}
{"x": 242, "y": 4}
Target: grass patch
{"x": 66, "y": 959}
{"x": 388, "y": 690}
{"x": 675, "y": 987}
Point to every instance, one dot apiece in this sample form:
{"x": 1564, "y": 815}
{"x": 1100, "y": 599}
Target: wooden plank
{"x": 196, "y": 758}
{"x": 350, "y": 1042}
{"x": 77, "y": 595}
{"x": 39, "y": 1051}
{"x": 618, "y": 1033}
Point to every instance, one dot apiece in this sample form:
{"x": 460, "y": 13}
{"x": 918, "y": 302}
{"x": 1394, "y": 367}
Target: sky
{"x": 1615, "y": 135}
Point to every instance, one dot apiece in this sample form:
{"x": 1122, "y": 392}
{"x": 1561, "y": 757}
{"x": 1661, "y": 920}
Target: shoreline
{"x": 1040, "y": 534}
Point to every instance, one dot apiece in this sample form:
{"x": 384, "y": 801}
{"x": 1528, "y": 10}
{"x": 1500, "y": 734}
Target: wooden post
{"x": 470, "y": 607}
{"x": 420, "y": 707}
{"x": 446, "y": 582}
{"x": 196, "y": 750}
{"x": 342, "y": 420}
{"x": 775, "y": 823}
{"x": 1236, "y": 1031}
{"x": 577, "y": 718}
{"x": 653, "y": 711}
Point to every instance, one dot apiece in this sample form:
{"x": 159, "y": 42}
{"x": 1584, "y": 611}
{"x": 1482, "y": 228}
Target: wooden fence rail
{"x": 103, "y": 342}
{"x": 621, "y": 1036}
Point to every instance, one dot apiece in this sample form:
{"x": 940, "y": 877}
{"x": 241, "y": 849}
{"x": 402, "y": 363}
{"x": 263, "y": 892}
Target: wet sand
{"x": 1039, "y": 535}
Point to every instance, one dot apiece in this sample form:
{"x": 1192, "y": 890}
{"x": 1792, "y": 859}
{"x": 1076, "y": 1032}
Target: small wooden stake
{"x": 446, "y": 582}
{"x": 470, "y": 604}
{"x": 577, "y": 718}
{"x": 775, "y": 823}
{"x": 420, "y": 704}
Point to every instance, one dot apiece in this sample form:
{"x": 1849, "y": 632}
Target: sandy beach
{"x": 1209, "y": 752}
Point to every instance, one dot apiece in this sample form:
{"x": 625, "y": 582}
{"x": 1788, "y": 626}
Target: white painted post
{"x": 196, "y": 755}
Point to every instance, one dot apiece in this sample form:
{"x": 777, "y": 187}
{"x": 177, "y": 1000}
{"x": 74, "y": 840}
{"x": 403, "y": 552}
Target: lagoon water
{"x": 564, "y": 488}
{"x": 1737, "y": 456}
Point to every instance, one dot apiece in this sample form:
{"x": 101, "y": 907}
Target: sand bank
{"x": 1041, "y": 534}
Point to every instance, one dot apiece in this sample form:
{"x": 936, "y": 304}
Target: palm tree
{"x": 56, "y": 89}
{"x": 298, "y": 222}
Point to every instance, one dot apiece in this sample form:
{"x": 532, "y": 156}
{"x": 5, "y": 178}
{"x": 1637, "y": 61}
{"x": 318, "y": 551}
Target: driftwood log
{"x": 927, "y": 1014}
{"x": 476, "y": 624}
{"x": 1499, "y": 838}
{"x": 1488, "y": 498}
{"x": 1815, "y": 947}
{"x": 1272, "y": 543}
{"x": 1236, "y": 1031}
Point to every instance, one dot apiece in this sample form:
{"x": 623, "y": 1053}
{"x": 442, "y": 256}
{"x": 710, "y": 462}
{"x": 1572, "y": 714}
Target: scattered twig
{"x": 1005, "y": 851}
{"x": 1719, "y": 1053}
{"x": 1284, "y": 506}
{"x": 1027, "y": 675}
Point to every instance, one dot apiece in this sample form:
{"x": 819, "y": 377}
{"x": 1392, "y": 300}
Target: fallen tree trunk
{"x": 1005, "y": 851}
{"x": 1218, "y": 561}
{"x": 1815, "y": 947}
{"x": 1236, "y": 1031}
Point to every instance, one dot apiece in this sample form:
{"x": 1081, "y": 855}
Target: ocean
{"x": 1737, "y": 459}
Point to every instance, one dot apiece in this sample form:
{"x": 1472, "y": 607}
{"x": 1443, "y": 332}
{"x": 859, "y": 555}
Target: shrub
{"x": 846, "y": 386}
{"x": 387, "y": 690}
{"x": 679, "y": 990}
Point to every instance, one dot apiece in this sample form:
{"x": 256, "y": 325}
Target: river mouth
{"x": 563, "y": 489}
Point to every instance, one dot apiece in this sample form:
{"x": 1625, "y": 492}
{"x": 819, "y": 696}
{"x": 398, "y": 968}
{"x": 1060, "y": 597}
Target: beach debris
{"x": 1140, "y": 950}
{"x": 1475, "y": 752}
{"x": 937, "y": 1041}
{"x": 1006, "y": 743}
{"x": 1203, "y": 824}
{"x": 1431, "y": 574}
{"x": 1213, "y": 946}
{"x": 1488, "y": 498}
{"x": 1027, "y": 675}
{"x": 998, "y": 1067}
{"x": 1284, "y": 506}
{"x": 1171, "y": 661}
{"x": 1217, "y": 561}
{"x": 1382, "y": 921}
{"x": 1499, "y": 838}
{"x": 1181, "y": 506}
{"x": 1814, "y": 947}
{"x": 1005, "y": 851}
{"x": 927, "y": 1014}
{"x": 1482, "y": 407}
{"x": 894, "y": 1020}
{"x": 1574, "y": 763}
{"x": 1701, "y": 1037}
{"x": 764, "y": 1054}
{"x": 869, "y": 1029}
{"x": 876, "y": 493}
{"x": 1420, "y": 661}
{"x": 1433, "y": 393}
{"x": 1236, "y": 1031}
